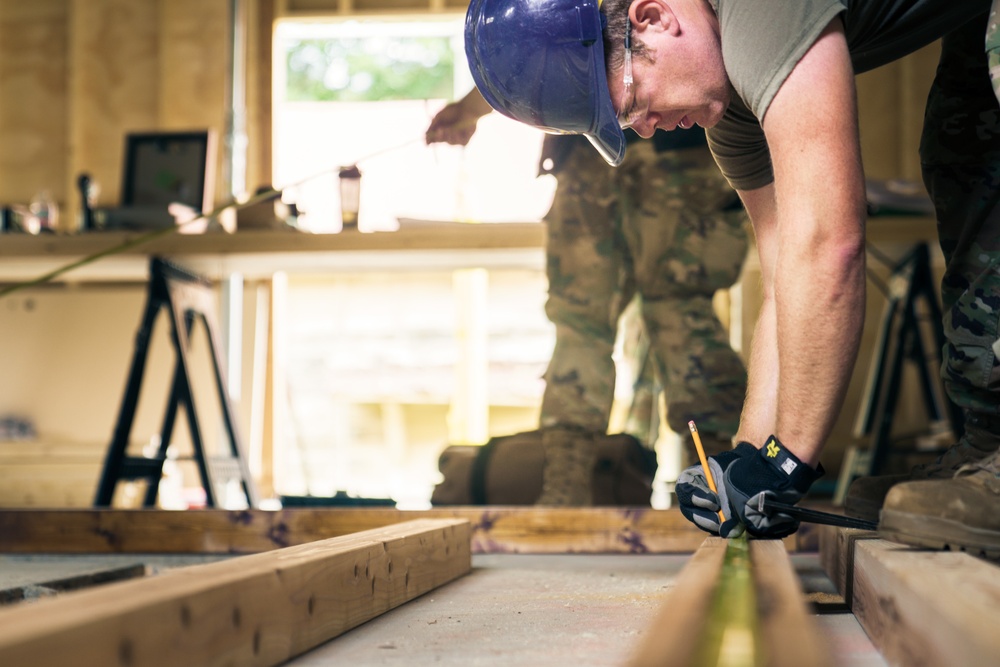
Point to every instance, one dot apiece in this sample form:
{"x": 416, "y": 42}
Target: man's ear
{"x": 656, "y": 15}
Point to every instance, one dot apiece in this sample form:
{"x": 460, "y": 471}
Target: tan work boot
{"x": 981, "y": 438}
{"x": 958, "y": 513}
{"x": 570, "y": 455}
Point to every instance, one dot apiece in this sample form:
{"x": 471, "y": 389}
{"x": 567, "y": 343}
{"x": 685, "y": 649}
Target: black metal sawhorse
{"x": 187, "y": 299}
{"x": 901, "y": 339}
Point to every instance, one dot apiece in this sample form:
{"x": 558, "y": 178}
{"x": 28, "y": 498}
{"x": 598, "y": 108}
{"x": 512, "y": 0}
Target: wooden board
{"x": 927, "y": 607}
{"x": 836, "y": 554}
{"x": 494, "y": 529}
{"x": 261, "y": 609}
{"x": 673, "y": 636}
{"x": 783, "y": 618}
{"x": 786, "y": 625}
{"x": 15, "y": 586}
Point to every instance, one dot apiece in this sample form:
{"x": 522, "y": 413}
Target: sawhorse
{"x": 901, "y": 338}
{"x": 187, "y": 299}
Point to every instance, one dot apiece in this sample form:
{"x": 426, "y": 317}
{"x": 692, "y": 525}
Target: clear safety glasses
{"x": 629, "y": 111}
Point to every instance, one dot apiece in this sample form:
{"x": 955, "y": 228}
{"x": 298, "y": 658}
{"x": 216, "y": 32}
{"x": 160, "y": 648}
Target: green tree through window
{"x": 370, "y": 69}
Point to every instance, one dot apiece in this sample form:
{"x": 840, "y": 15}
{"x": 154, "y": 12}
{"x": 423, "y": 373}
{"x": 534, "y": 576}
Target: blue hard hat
{"x": 541, "y": 62}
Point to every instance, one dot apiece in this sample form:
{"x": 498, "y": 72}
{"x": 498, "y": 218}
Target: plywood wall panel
{"x": 33, "y": 98}
{"x": 891, "y": 103}
{"x": 916, "y": 77}
{"x": 878, "y": 93}
{"x": 195, "y": 59}
{"x": 260, "y": 33}
{"x": 114, "y": 87}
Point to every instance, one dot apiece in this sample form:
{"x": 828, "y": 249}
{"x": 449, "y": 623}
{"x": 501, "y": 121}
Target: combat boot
{"x": 981, "y": 438}
{"x": 958, "y": 513}
{"x": 570, "y": 455}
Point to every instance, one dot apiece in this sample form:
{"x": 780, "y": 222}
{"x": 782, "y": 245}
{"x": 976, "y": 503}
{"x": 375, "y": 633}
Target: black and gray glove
{"x": 773, "y": 472}
{"x": 697, "y": 501}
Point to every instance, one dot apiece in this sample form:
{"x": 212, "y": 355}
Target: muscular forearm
{"x": 760, "y": 408}
{"x": 820, "y": 314}
{"x": 819, "y": 195}
{"x": 759, "y": 415}
{"x": 806, "y": 337}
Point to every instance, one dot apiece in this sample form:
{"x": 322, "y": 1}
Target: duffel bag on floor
{"x": 507, "y": 470}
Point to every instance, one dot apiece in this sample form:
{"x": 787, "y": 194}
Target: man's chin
{"x": 711, "y": 119}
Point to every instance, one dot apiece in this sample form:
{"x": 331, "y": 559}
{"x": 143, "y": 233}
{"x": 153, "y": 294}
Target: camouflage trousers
{"x": 993, "y": 46}
{"x": 666, "y": 227}
{"x": 960, "y": 159}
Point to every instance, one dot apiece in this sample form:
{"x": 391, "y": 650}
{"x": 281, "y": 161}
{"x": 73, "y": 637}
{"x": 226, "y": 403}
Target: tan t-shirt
{"x": 763, "y": 40}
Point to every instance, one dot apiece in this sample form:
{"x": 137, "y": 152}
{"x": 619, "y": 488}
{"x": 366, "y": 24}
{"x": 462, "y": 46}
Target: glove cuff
{"x": 799, "y": 475}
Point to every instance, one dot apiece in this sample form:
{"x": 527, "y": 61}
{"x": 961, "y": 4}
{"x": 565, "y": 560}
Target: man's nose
{"x": 644, "y": 128}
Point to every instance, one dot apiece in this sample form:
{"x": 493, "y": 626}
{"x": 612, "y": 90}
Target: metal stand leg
{"x": 901, "y": 339}
{"x": 188, "y": 299}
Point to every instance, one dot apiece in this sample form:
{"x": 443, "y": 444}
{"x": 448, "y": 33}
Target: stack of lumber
{"x": 524, "y": 529}
{"x": 261, "y": 609}
{"x": 917, "y": 606}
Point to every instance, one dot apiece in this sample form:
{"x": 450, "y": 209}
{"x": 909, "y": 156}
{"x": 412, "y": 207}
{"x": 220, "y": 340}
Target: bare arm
{"x": 456, "y": 123}
{"x": 810, "y": 235}
{"x": 760, "y": 408}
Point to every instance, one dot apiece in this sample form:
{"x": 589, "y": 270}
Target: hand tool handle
{"x": 770, "y": 506}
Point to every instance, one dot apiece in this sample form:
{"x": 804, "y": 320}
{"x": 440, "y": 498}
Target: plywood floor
{"x": 558, "y": 610}
{"x": 530, "y": 610}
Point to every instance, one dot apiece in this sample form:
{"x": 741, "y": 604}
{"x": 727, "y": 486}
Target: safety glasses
{"x": 629, "y": 110}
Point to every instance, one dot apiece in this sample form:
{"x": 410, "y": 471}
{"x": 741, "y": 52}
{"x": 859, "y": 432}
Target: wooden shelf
{"x": 262, "y": 253}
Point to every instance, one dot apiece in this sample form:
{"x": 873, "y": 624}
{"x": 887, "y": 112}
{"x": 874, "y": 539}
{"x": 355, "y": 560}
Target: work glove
{"x": 774, "y": 473}
{"x": 697, "y": 501}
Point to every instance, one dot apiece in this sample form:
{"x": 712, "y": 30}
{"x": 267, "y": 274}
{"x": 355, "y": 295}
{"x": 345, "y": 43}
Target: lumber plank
{"x": 673, "y": 638}
{"x": 927, "y": 607}
{"x": 260, "y": 609}
{"x": 686, "y": 622}
{"x": 836, "y": 555}
{"x": 494, "y": 529}
{"x": 789, "y": 634}
{"x": 732, "y": 634}
{"x": 16, "y": 584}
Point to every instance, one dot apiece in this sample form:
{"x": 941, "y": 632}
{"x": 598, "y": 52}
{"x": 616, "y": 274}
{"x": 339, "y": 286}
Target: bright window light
{"x": 364, "y": 92}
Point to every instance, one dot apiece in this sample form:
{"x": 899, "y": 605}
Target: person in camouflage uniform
{"x": 664, "y": 226}
{"x": 956, "y": 500}
{"x": 993, "y": 46}
{"x": 776, "y": 90}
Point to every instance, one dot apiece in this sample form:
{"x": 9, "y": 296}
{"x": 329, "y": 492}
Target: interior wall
{"x": 891, "y": 103}
{"x": 76, "y": 75}
{"x": 260, "y": 17}
{"x": 34, "y": 98}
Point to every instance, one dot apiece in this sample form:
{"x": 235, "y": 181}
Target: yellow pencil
{"x": 704, "y": 463}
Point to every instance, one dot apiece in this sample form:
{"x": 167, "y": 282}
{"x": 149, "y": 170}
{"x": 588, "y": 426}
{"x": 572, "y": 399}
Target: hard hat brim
{"x": 607, "y": 135}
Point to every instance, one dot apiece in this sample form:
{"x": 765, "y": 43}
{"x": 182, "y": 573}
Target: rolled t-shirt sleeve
{"x": 740, "y": 150}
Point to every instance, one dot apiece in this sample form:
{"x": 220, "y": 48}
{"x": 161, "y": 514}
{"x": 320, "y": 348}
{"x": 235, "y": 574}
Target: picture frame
{"x": 162, "y": 168}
